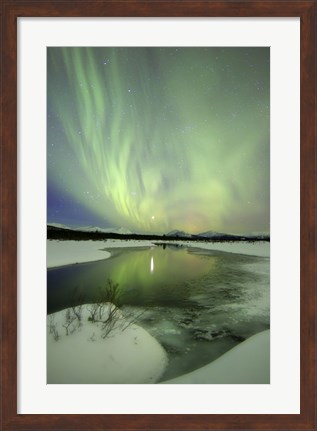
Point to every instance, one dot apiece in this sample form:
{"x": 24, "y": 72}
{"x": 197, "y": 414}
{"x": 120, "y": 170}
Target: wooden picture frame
{"x": 11, "y": 10}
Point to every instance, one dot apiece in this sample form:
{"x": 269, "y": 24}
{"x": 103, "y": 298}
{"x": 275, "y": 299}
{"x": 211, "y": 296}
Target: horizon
{"x": 113, "y": 229}
{"x": 159, "y": 139}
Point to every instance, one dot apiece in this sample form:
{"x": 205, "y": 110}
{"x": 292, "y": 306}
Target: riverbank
{"x": 79, "y": 350}
{"x": 61, "y": 253}
{"x": 247, "y": 363}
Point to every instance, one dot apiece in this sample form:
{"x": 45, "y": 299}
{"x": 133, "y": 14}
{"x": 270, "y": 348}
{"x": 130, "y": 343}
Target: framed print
{"x": 177, "y": 127}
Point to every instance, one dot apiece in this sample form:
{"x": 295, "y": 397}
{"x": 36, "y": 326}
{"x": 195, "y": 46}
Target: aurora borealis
{"x": 156, "y": 139}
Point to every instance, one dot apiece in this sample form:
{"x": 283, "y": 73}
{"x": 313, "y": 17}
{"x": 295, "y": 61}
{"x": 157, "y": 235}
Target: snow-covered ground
{"x": 247, "y": 363}
{"x": 258, "y": 248}
{"x": 61, "y": 253}
{"x": 134, "y": 356}
{"x": 69, "y": 252}
{"x": 131, "y": 355}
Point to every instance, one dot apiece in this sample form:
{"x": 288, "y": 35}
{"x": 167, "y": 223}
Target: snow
{"x": 66, "y": 252}
{"x": 257, "y": 248}
{"x": 247, "y": 363}
{"x": 131, "y": 355}
{"x": 61, "y": 253}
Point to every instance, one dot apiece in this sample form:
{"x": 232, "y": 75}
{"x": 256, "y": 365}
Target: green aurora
{"x": 155, "y": 139}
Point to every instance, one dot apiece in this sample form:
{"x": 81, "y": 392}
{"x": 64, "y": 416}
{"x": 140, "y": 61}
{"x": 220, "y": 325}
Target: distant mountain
{"x": 232, "y": 236}
{"x": 91, "y": 229}
{"x": 256, "y": 235}
{"x": 59, "y": 225}
{"x": 88, "y": 229}
{"x": 179, "y": 233}
{"x": 120, "y": 230}
{"x": 213, "y": 234}
{"x": 210, "y": 235}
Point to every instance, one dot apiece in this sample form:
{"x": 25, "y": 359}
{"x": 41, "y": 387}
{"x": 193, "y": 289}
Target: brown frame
{"x": 11, "y": 10}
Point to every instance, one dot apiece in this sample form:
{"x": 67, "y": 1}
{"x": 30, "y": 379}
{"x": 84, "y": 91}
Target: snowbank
{"x": 66, "y": 252}
{"x": 61, "y": 253}
{"x": 83, "y": 356}
{"x": 247, "y": 363}
{"x": 258, "y": 248}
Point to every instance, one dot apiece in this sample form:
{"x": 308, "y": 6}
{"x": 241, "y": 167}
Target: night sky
{"x": 156, "y": 139}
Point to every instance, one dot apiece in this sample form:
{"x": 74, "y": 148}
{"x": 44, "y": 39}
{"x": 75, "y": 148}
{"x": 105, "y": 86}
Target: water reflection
{"x": 170, "y": 280}
{"x": 152, "y": 264}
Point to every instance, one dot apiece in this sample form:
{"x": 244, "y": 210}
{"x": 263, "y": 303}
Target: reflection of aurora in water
{"x": 155, "y": 139}
{"x": 142, "y": 275}
{"x": 152, "y": 276}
